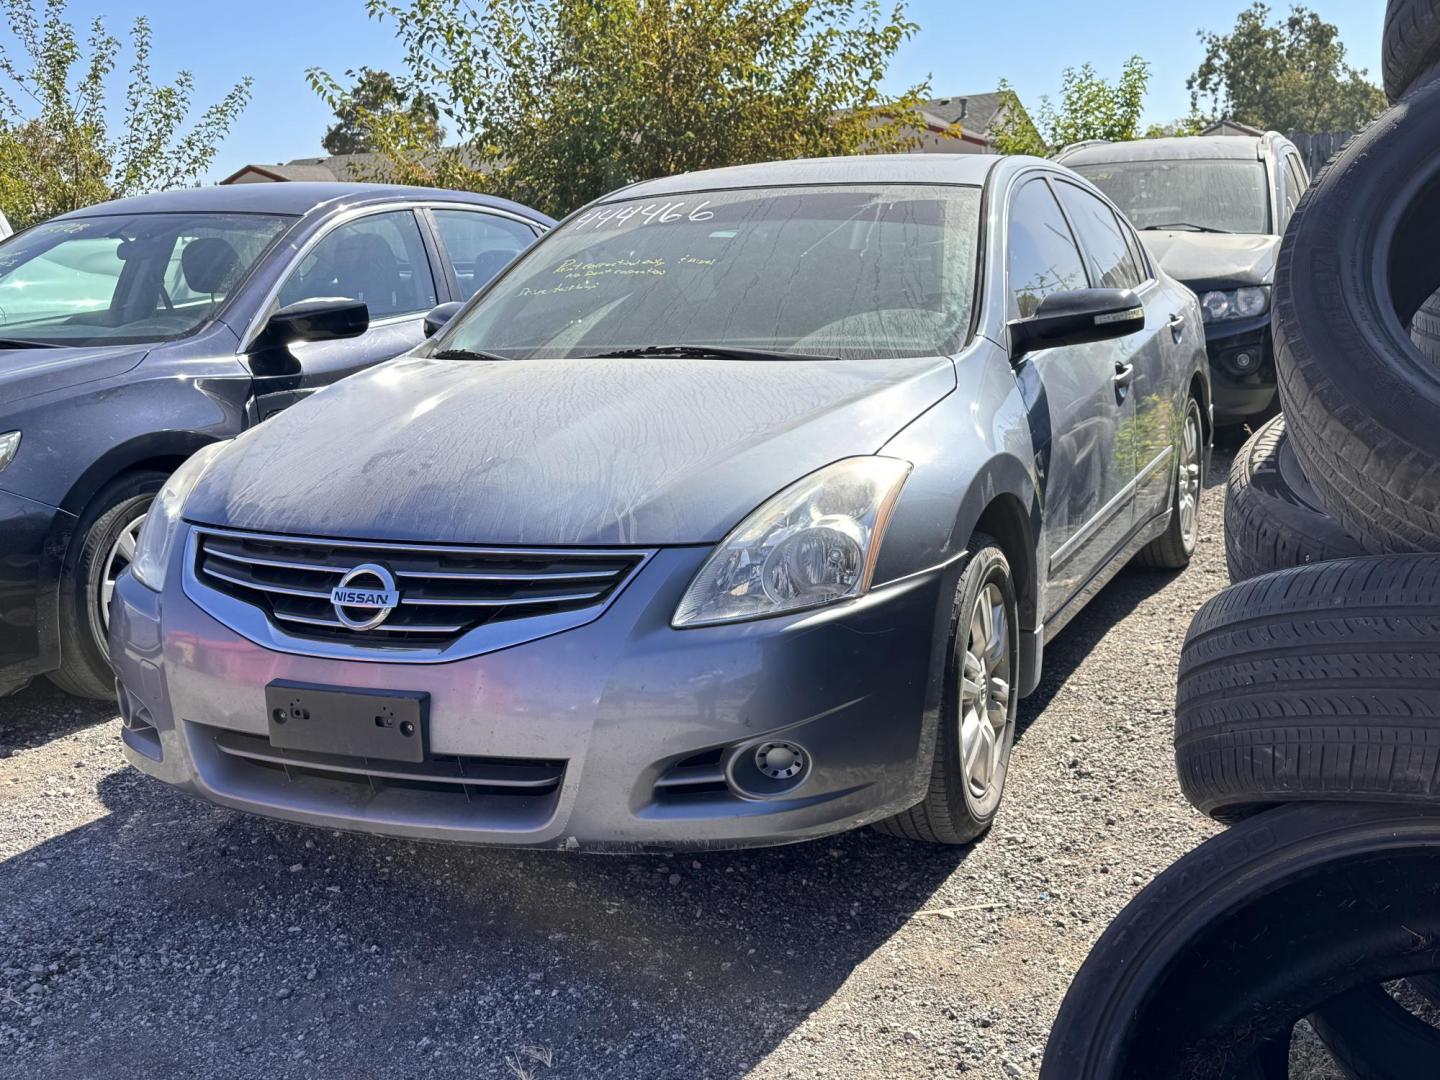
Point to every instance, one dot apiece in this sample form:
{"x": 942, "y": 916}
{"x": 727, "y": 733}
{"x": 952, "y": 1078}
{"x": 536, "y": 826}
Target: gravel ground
{"x": 142, "y": 933}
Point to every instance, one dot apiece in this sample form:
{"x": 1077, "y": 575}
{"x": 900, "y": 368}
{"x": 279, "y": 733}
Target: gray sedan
{"x": 737, "y": 511}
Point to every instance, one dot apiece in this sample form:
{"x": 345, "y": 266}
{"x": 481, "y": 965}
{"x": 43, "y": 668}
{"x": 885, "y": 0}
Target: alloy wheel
{"x": 985, "y": 694}
{"x": 1188, "y": 494}
{"x": 120, "y": 555}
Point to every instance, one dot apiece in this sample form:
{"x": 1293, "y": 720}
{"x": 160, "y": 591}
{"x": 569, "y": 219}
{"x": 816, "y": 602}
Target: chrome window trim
{"x": 251, "y": 622}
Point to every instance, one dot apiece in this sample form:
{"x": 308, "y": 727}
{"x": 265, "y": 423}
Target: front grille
{"x": 445, "y": 592}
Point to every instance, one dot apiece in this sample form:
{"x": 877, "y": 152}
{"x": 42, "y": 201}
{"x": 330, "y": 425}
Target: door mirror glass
{"x": 1077, "y": 317}
{"x": 439, "y": 316}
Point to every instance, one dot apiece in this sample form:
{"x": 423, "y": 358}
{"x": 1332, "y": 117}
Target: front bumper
{"x": 1241, "y": 392}
{"x": 32, "y": 545}
{"x": 618, "y": 708}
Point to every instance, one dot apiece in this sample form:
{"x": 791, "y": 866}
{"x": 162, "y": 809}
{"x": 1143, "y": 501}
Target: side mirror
{"x": 437, "y": 317}
{"x": 323, "y": 319}
{"x": 1077, "y": 317}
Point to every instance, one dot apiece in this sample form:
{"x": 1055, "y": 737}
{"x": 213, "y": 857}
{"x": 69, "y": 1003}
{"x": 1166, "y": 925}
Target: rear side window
{"x": 1042, "y": 256}
{"x": 480, "y": 245}
{"x": 1111, "y": 265}
{"x": 1294, "y": 184}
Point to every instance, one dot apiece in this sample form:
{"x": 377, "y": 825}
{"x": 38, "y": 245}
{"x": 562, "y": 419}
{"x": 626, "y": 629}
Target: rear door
{"x": 1089, "y": 466}
{"x": 1116, "y": 261}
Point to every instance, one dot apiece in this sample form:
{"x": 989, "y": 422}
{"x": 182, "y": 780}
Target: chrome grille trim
{"x": 275, "y": 590}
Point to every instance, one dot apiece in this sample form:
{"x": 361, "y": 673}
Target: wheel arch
{"x": 162, "y": 451}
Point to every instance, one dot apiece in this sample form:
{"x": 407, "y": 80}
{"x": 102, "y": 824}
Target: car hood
{"x": 582, "y": 452}
{"x": 1211, "y": 260}
{"x": 27, "y": 372}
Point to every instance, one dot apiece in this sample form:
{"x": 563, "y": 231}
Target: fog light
{"x": 779, "y": 761}
{"x": 768, "y": 770}
{"x": 1242, "y": 361}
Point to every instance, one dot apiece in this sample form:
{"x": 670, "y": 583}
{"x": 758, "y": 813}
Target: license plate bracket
{"x": 386, "y": 724}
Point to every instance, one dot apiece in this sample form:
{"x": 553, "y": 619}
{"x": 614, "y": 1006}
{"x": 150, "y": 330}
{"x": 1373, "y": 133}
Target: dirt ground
{"x": 145, "y": 934}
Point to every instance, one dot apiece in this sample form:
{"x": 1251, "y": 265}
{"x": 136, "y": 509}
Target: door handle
{"x": 1177, "y": 326}
{"x": 1124, "y": 374}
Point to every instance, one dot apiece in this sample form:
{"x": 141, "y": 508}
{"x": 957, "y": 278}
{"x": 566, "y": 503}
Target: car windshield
{"x": 130, "y": 278}
{"x": 1225, "y": 195}
{"x": 847, "y": 272}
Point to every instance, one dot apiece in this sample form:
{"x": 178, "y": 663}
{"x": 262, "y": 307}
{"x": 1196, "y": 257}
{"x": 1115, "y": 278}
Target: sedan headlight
{"x": 162, "y": 520}
{"x": 814, "y": 543}
{"x": 9, "y": 443}
{"x": 1221, "y": 304}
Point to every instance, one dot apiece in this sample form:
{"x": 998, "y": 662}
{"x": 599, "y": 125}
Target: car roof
{"x": 966, "y": 169}
{"x": 1228, "y": 147}
{"x": 290, "y": 197}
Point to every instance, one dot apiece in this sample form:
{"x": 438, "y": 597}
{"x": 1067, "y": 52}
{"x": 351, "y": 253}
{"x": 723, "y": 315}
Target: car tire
{"x": 1173, "y": 548}
{"x": 1409, "y": 45}
{"x": 97, "y": 553}
{"x": 976, "y": 730}
{"x": 1357, "y": 262}
{"x": 1425, "y": 328}
{"x": 1273, "y": 520}
{"x": 1205, "y": 972}
{"x": 1318, "y": 683}
{"x": 1373, "y": 1037}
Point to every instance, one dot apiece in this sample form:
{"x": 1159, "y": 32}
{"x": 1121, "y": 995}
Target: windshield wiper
{"x": 1170, "y": 225}
{"x": 467, "y": 354}
{"x": 21, "y": 343}
{"x": 724, "y": 352}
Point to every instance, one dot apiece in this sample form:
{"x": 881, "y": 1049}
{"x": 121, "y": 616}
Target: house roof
{"x": 973, "y": 112}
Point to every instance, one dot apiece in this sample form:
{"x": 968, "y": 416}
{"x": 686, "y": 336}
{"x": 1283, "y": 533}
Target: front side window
{"x": 131, "y": 278}
{"x": 379, "y": 259}
{"x": 480, "y": 245}
{"x": 1042, "y": 257}
{"x": 1111, "y": 266}
{"x": 852, "y": 272}
{"x": 1192, "y": 195}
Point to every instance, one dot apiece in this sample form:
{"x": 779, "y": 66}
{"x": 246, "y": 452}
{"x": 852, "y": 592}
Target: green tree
{"x": 375, "y": 94}
{"x": 555, "y": 102}
{"x": 1287, "y": 74}
{"x": 57, "y": 149}
{"x": 1090, "y": 108}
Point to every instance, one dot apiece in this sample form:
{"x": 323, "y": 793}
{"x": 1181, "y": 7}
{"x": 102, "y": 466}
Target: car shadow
{"x": 190, "y": 940}
{"x": 41, "y": 713}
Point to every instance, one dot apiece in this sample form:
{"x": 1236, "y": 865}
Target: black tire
{"x": 1173, "y": 548}
{"x": 1217, "y": 958}
{"x": 84, "y": 653}
{"x": 1273, "y": 520}
{"x": 1319, "y": 683}
{"x": 952, "y": 812}
{"x": 1410, "y": 44}
{"x": 1373, "y": 1037}
{"x": 1358, "y": 260}
{"x": 1425, "y": 328}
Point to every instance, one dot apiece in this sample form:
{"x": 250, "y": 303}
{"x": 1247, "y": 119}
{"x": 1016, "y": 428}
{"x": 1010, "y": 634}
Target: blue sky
{"x": 963, "y": 47}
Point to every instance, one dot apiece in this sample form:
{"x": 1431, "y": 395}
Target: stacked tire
{"x": 1308, "y": 699}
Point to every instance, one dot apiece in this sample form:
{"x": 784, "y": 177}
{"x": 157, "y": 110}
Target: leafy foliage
{"x": 375, "y": 94}
{"x": 57, "y": 152}
{"x": 1287, "y": 74}
{"x": 555, "y": 102}
{"x": 1090, "y": 108}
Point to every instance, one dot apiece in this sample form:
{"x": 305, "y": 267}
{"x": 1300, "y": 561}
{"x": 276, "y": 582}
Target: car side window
{"x": 1042, "y": 256}
{"x": 379, "y": 259}
{"x": 1294, "y": 184}
{"x": 1111, "y": 265}
{"x": 1137, "y": 250}
{"x": 480, "y": 245}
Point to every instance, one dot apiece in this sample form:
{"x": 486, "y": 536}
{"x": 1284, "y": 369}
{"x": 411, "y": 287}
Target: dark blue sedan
{"x": 134, "y": 332}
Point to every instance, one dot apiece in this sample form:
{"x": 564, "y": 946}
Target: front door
{"x": 1089, "y": 464}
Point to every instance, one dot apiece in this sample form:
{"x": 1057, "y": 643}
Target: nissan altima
{"x": 737, "y": 511}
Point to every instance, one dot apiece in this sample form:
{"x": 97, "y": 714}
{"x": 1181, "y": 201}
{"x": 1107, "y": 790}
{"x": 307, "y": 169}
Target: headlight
{"x": 1222, "y": 304}
{"x": 9, "y": 443}
{"x": 812, "y": 544}
{"x": 162, "y": 520}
